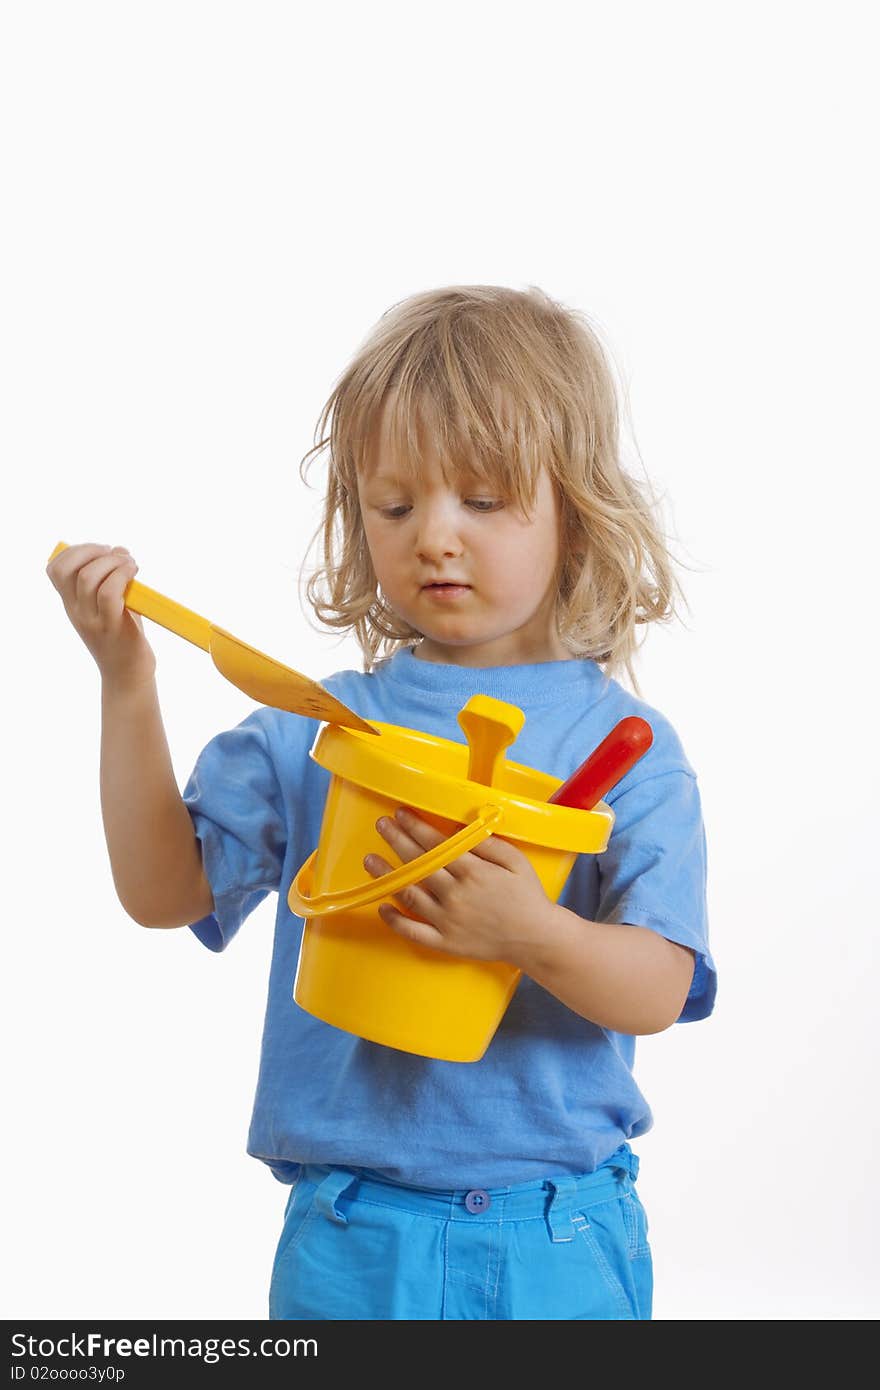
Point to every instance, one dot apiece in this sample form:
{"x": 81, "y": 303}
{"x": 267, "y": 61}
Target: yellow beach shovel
{"x": 259, "y": 676}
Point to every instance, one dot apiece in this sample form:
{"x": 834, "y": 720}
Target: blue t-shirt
{"x": 554, "y": 1093}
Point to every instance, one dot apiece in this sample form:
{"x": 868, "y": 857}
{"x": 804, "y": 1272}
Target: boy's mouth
{"x": 445, "y": 590}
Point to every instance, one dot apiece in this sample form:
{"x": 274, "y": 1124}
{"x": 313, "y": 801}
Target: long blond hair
{"x": 508, "y": 380}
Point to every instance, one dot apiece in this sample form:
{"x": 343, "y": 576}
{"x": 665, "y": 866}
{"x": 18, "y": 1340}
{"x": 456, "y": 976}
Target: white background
{"x": 207, "y": 207}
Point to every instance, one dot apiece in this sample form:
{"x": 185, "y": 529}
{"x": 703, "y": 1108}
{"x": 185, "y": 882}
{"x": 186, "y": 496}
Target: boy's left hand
{"x": 487, "y": 904}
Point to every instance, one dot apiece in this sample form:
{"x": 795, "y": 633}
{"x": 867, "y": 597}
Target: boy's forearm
{"x": 626, "y": 978}
{"x": 154, "y": 853}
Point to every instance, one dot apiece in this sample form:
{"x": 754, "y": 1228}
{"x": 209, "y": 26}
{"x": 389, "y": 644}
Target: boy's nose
{"x": 438, "y": 536}
{"x": 433, "y": 550}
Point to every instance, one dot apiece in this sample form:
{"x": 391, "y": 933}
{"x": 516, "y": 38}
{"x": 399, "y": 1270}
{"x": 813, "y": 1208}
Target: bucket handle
{"x": 375, "y": 889}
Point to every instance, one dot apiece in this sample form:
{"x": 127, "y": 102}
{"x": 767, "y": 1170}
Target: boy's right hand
{"x": 91, "y": 580}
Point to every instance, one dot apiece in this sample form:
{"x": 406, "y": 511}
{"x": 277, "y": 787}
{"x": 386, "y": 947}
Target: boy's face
{"x": 428, "y": 530}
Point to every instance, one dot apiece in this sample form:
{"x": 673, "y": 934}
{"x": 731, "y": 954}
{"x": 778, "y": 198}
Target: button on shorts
{"x": 568, "y": 1247}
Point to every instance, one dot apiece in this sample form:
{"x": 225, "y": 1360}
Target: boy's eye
{"x": 484, "y": 504}
{"x": 478, "y": 504}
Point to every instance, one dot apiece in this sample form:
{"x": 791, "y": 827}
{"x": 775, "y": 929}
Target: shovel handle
{"x": 164, "y": 611}
{"x": 149, "y": 603}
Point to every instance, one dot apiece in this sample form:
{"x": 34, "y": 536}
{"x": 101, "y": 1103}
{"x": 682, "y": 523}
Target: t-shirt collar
{"x": 542, "y": 682}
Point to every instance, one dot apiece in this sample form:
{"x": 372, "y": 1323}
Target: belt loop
{"x": 559, "y": 1222}
{"x": 625, "y": 1161}
{"x": 331, "y": 1187}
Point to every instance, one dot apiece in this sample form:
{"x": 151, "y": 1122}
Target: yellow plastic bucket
{"x": 356, "y": 973}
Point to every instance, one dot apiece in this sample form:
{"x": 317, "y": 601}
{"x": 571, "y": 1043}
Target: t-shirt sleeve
{"x": 653, "y": 873}
{"x": 234, "y": 798}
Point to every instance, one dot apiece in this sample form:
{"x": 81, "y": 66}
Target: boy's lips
{"x": 447, "y": 589}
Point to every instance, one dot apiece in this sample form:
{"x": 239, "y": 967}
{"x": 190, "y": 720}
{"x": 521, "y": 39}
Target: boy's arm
{"x": 490, "y": 905}
{"x": 154, "y": 852}
{"x": 625, "y": 978}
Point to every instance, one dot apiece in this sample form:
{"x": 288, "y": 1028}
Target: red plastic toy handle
{"x": 614, "y": 757}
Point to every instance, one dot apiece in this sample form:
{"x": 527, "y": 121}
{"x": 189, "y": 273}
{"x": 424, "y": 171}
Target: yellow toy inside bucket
{"x": 355, "y": 972}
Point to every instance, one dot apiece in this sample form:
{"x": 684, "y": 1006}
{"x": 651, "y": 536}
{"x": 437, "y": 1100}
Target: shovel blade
{"x": 270, "y": 682}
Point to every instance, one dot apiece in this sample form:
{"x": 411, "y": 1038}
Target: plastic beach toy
{"x": 268, "y": 681}
{"x": 628, "y": 741}
{"x": 355, "y": 972}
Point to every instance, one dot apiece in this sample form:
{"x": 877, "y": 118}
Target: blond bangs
{"x": 445, "y": 411}
{"x": 493, "y": 383}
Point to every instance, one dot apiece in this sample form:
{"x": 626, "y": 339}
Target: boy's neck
{"x": 489, "y": 655}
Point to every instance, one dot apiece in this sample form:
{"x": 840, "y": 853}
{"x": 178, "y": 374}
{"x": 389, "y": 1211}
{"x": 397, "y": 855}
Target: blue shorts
{"x": 353, "y": 1247}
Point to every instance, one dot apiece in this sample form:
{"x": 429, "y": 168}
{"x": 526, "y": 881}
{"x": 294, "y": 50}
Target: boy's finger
{"x": 111, "y": 589}
{"x": 376, "y": 865}
{"x": 90, "y": 580}
{"x": 70, "y": 561}
{"x": 494, "y": 849}
{"x": 410, "y": 836}
{"x": 499, "y": 851}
